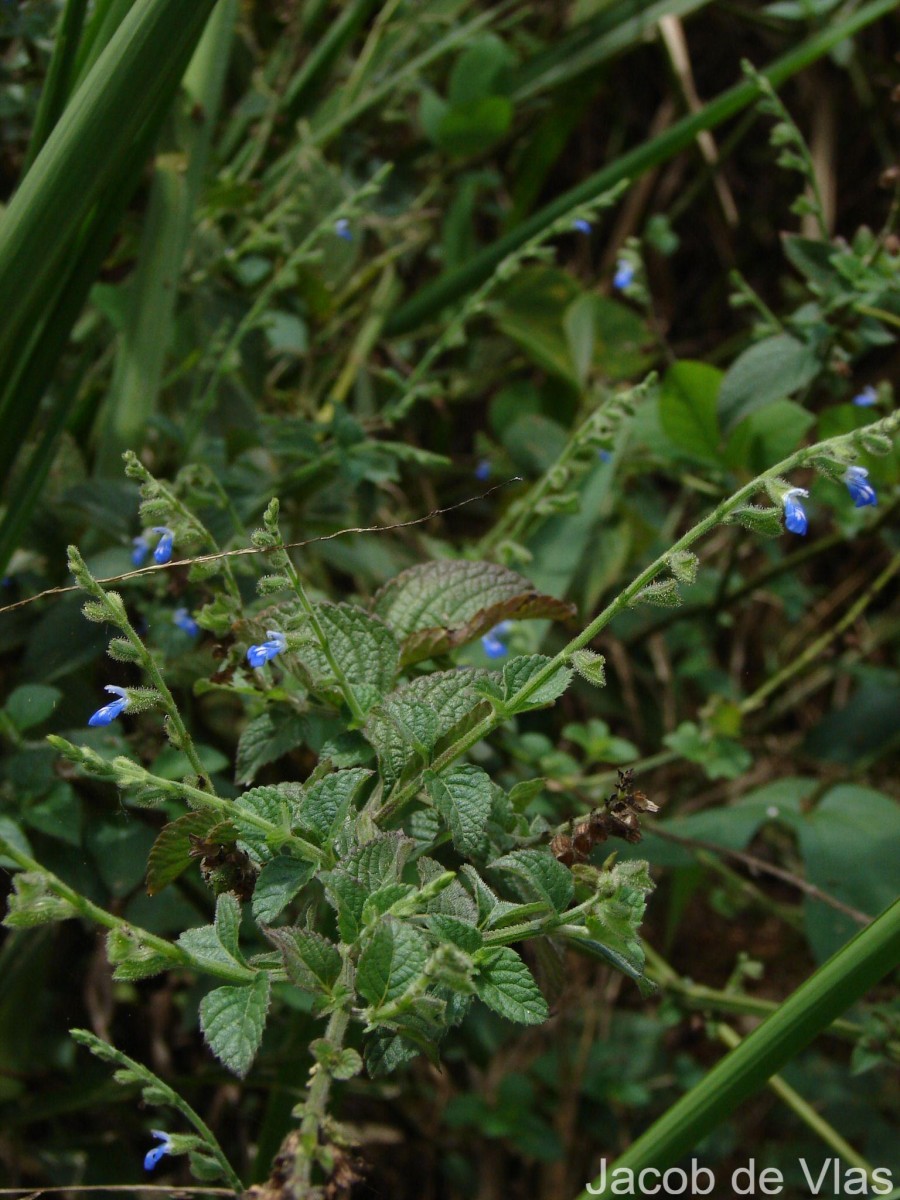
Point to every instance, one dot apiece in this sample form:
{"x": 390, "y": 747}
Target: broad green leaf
{"x": 462, "y": 795}
{"x": 474, "y": 127}
{"x": 31, "y": 704}
{"x": 379, "y": 862}
{"x": 435, "y": 607}
{"x": 393, "y": 958}
{"x": 616, "y": 916}
{"x": 266, "y": 738}
{"x": 687, "y": 408}
{"x": 171, "y": 852}
{"x": 407, "y": 725}
{"x": 385, "y": 1052}
{"x": 481, "y": 70}
{"x": 767, "y": 436}
{"x": 538, "y": 876}
{"x": 506, "y": 985}
{"x": 33, "y": 903}
{"x": 366, "y": 649}
{"x": 274, "y": 804}
{"x": 228, "y": 924}
{"x": 460, "y": 933}
{"x": 311, "y": 961}
{"x": 579, "y": 325}
{"x": 348, "y": 897}
{"x": 205, "y": 944}
{"x": 15, "y": 838}
{"x": 453, "y": 901}
{"x": 58, "y": 814}
{"x": 279, "y": 882}
{"x": 324, "y": 805}
{"x": 233, "y": 1020}
{"x": 773, "y": 369}
{"x": 521, "y": 670}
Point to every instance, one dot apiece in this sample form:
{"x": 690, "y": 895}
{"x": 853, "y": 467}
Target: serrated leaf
{"x": 392, "y": 959}
{"x": 276, "y": 805}
{"x": 311, "y": 961}
{"x": 266, "y": 738}
{"x": 170, "y": 854}
{"x": 521, "y": 670}
{"x": 590, "y": 666}
{"x": 233, "y": 1020}
{"x": 379, "y": 862}
{"x": 228, "y": 923}
{"x": 278, "y": 883}
{"x": 486, "y": 899}
{"x": 462, "y": 795}
{"x": 452, "y": 901}
{"x": 206, "y": 946}
{"x": 506, "y": 985}
{"x": 538, "y": 876}
{"x": 33, "y": 903}
{"x": 407, "y": 725}
{"x": 348, "y": 897}
{"x": 435, "y": 607}
{"x": 365, "y": 647}
{"x": 506, "y": 914}
{"x": 385, "y": 1052}
{"x": 459, "y": 933}
{"x": 324, "y": 805}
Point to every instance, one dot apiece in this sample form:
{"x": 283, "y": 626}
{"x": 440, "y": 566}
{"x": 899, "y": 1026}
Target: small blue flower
{"x": 483, "y": 469}
{"x": 163, "y": 551}
{"x": 604, "y": 456}
{"x": 109, "y": 712}
{"x": 183, "y": 619}
{"x": 794, "y": 513}
{"x": 581, "y": 225}
{"x": 866, "y": 398}
{"x": 141, "y": 548}
{"x": 343, "y": 230}
{"x": 491, "y": 643}
{"x": 276, "y": 643}
{"x": 624, "y": 275}
{"x": 152, "y": 1157}
{"x": 861, "y": 491}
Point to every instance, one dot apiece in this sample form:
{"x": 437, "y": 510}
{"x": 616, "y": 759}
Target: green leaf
{"x": 15, "y": 838}
{"x": 687, "y": 408}
{"x": 171, "y": 852}
{"x": 506, "y": 985}
{"x": 365, "y": 647}
{"x": 233, "y": 1020}
{"x": 131, "y": 957}
{"x": 438, "y": 606}
{"x": 474, "y": 127}
{"x": 481, "y": 70}
{"x": 538, "y": 876}
{"x": 31, "y": 704}
{"x": 33, "y": 903}
{"x": 408, "y": 724}
{"x": 579, "y": 325}
{"x": 521, "y": 670}
{"x": 462, "y": 795}
{"x": 266, "y": 738}
{"x": 311, "y": 961}
{"x": 274, "y": 804}
{"x": 380, "y": 861}
{"x": 459, "y": 933}
{"x": 228, "y": 924}
{"x": 393, "y": 958}
{"x": 206, "y": 943}
{"x": 767, "y": 436}
{"x": 279, "y": 882}
{"x": 720, "y": 757}
{"x": 771, "y": 370}
{"x": 324, "y": 805}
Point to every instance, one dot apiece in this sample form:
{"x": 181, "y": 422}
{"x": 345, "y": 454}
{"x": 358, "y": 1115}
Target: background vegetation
{"x": 338, "y": 263}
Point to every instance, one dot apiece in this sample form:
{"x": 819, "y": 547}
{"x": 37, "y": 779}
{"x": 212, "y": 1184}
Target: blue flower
{"x": 624, "y": 275}
{"x": 861, "y": 491}
{"x": 343, "y": 230}
{"x": 866, "y": 398}
{"x": 493, "y": 646}
{"x": 163, "y": 551}
{"x": 794, "y": 513}
{"x": 276, "y": 643}
{"x": 152, "y": 1157}
{"x": 183, "y": 619}
{"x": 141, "y": 548}
{"x": 581, "y": 225}
{"x": 483, "y": 469}
{"x": 109, "y": 712}
{"x": 604, "y": 456}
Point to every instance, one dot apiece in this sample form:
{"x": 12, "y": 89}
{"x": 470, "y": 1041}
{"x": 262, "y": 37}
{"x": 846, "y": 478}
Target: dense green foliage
{"x": 506, "y": 719}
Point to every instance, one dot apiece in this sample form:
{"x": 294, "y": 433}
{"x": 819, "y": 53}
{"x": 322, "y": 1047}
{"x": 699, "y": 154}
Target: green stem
{"x": 842, "y": 445}
{"x": 840, "y": 982}
{"x": 177, "y": 956}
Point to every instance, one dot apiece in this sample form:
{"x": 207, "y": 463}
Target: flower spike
{"x": 861, "y": 491}
{"x": 109, "y": 712}
{"x": 795, "y": 520}
{"x": 275, "y": 643}
{"x": 163, "y": 551}
{"x": 152, "y": 1157}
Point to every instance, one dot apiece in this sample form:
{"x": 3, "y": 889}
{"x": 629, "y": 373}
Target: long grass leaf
{"x": 60, "y": 73}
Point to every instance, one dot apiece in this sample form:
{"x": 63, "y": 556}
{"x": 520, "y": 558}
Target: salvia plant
{"x": 397, "y": 882}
